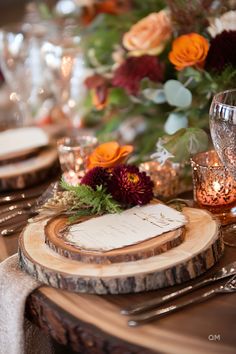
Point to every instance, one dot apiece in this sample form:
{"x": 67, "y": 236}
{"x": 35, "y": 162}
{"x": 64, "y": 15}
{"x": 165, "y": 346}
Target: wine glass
{"x": 66, "y": 65}
{"x": 24, "y": 69}
{"x": 223, "y": 132}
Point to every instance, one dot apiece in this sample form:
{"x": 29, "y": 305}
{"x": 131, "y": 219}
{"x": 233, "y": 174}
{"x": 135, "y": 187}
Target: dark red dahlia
{"x": 129, "y": 186}
{"x": 222, "y": 52}
{"x": 134, "y": 69}
{"x": 97, "y": 176}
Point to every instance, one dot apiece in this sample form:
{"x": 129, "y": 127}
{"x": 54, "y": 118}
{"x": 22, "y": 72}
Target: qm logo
{"x": 214, "y": 337}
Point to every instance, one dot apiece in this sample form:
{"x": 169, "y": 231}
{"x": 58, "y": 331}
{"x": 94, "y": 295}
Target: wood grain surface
{"x": 149, "y": 248}
{"x": 201, "y": 249}
{"x": 29, "y": 172}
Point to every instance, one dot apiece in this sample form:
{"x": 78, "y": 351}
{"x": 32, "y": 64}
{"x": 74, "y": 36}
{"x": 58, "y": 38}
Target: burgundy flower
{"x": 129, "y": 186}
{"x": 1, "y": 77}
{"x": 95, "y": 177}
{"x": 134, "y": 69}
{"x": 99, "y": 89}
{"x": 222, "y": 52}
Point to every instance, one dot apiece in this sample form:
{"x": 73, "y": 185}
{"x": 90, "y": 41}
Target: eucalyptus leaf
{"x": 175, "y": 122}
{"x": 155, "y": 95}
{"x": 185, "y": 143}
{"x": 176, "y": 94}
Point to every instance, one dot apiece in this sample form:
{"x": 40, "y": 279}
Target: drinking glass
{"x": 24, "y": 69}
{"x": 73, "y": 154}
{"x": 65, "y": 62}
{"x": 223, "y": 128}
{"x": 223, "y": 132}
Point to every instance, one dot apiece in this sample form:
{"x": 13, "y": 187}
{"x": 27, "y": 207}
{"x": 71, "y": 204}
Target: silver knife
{"x": 224, "y": 272}
{"x": 228, "y": 287}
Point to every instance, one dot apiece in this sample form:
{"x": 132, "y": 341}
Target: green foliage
{"x": 226, "y": 79}
{"x": 185, "y": 143}
{"x": 176, "y": 94}
{"x": 90, "y": 201}
{"x": 144, "y": 8}
{"x": 105, "y": 33}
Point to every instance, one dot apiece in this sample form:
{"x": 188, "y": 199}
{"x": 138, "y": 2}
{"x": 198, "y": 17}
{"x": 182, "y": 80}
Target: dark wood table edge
{"x": 69, "y": 331}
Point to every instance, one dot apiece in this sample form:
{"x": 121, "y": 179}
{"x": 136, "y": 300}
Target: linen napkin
{"x": 18, "y": 335}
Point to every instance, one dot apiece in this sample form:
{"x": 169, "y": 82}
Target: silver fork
{"x": 29, "y": 211}
{"x": 228, "y": 287}
{"x": 225, "y": 272}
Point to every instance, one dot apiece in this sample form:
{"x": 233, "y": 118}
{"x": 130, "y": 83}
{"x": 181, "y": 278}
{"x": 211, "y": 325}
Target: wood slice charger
{"x": 23, "y": 173}
{"x": 202, "y": 248}
{"x": 55, "y": 240}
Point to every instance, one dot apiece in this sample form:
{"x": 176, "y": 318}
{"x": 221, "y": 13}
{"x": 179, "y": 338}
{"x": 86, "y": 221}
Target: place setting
{"x": 118, "y": 177}
{"x": 26, "y": 158}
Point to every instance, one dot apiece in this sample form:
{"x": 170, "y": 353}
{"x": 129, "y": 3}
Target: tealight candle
{"x": 213, "y": 185}
{"x": 166, "y": 178}
{"x": 73, "y": 154}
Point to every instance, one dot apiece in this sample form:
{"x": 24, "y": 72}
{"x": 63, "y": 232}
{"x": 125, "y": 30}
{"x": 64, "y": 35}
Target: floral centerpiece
{"x": 109, "y": 186}
{"x": 156, "y": 65}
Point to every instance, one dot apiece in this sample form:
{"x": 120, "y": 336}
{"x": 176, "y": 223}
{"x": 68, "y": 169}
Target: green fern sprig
{"x": 96, "y": 202}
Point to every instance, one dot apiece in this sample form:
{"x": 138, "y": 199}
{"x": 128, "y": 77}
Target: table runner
{"x": 18, "y": 335}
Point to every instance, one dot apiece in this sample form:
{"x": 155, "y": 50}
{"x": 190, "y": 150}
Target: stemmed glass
{"x": 24, "y": 69}
{"x": 66, "y": 66}
{"x": 223, "y": 132}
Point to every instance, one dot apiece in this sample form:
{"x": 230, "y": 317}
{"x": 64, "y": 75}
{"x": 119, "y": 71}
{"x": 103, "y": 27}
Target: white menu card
{"x": 113, "y": 231}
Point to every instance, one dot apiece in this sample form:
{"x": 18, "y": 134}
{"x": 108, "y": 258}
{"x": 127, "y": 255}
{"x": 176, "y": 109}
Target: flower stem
{"x": 190, "y": 79}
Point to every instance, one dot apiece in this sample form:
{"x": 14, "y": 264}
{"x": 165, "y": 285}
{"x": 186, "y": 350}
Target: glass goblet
{"x": 223, "y": 133}
{"x": 24, "y": 70}
{"x": 65, "y": 63}
{"x": 223, "y": 128}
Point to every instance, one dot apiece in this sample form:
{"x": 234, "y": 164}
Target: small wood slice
{"x": 149, "y": 248}
{"x": 28, "y": 172}
{"x": 202, "y": 248}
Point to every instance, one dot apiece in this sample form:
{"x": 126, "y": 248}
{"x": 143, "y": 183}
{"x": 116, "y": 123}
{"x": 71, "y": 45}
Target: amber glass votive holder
{"x": 73, "y": 155}
{"x": 166, "y": 178}
{"x": 213, "y": 186}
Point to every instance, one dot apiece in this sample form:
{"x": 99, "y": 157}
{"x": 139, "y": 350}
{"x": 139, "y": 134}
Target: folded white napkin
{"x": 17, "y": 335}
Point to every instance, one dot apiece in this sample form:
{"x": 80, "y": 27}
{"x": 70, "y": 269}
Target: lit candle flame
{"x": 216, "y": 186}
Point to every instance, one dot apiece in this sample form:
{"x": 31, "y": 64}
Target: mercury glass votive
{"x": 166, "y": 177}
{"x": 214, "y": 187}
{"x": 73, "y": 155}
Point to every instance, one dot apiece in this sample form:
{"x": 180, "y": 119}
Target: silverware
{"x": 12, "y": 215}
{"x": 228, "y": 287}
{"x": 20, "y": 196}
{"x": 226, "y": 271}
{"x": 26, "y": 205}
{"x": 13, "y": 229}
{"x": 34, "y": 210}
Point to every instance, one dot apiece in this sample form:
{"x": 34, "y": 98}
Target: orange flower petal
{"x": 189, "y": 50}
{"x": 108, "y": 155}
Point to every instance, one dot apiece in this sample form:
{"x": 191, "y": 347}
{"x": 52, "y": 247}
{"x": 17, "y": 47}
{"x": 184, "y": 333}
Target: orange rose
{"x": 148, "y": 36}
{"x": 189, "y": 50}
{"x": 109, "y": 155}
